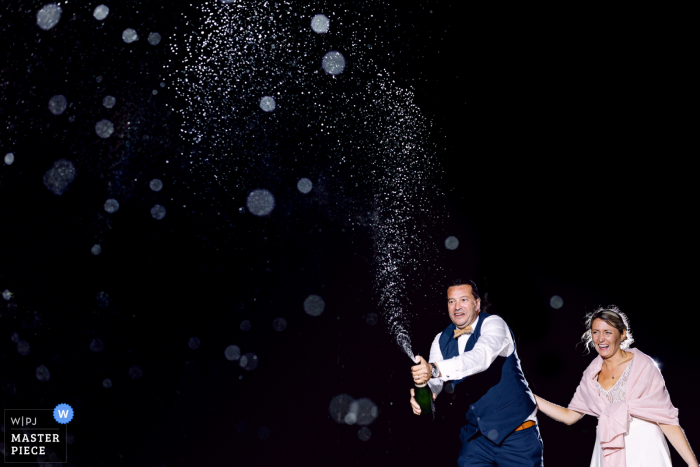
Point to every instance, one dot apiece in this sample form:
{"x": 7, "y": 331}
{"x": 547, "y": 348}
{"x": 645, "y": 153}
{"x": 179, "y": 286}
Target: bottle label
{"x": 421, "y": 385}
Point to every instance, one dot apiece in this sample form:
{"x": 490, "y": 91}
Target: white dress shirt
{"x": 495, "y": 341}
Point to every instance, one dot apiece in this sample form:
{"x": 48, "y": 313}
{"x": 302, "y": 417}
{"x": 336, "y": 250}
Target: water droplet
{"x": 96, "y": 249}
{"x": 14, "y": 337}
{"x": 246, "y": 325}
{"x": 7, "y": 294}
{"x": 107, "y": 383}
{"x": 264, "y": 433}
{"x": 9, "y": 158}
{"x": 371, "y": 319}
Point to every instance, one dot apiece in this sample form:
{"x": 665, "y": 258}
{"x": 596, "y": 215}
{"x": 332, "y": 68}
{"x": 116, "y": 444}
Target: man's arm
{"x": 495, "y": 340}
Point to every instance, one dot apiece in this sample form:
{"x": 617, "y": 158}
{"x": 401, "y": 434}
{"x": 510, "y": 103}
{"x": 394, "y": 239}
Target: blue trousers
{"x": 520, "y": 449}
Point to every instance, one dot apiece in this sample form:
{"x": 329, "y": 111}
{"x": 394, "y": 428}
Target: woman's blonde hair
{"x": 615, "y": 318}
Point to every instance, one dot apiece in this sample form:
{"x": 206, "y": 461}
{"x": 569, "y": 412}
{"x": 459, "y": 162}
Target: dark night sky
{"x": 562, "y": 140}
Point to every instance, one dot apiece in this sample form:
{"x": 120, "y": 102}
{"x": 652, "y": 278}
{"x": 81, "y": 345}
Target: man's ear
{"x": 478, "y": 304}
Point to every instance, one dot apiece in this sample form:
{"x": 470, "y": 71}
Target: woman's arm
{"x": 676, "y": 436}
{"x": 558, "y": 413}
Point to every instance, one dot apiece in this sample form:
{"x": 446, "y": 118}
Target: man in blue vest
{"x": 479, "y": 350}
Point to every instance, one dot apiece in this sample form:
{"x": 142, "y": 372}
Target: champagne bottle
{"x": 424, "y": 397}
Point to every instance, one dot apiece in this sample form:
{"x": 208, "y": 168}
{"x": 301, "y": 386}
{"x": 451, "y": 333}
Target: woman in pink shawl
{"x": 624, "y": 389}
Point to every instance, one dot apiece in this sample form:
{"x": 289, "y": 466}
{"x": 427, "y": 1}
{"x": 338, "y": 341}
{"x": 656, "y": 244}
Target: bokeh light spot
{"x": 23, "y": 348}
{"x": 260, "y": 202}
{"x": 249, "y": 361}
{"x": 193, "y": 343}
{"x": 96, "y": 345}
{"x": 104, "y": 128}
{"x": 58, "y": 104}
{"x": 135, "y": 372}
{"x": 156, "y": 184}
{"x": 59, "y": 177}
{"x": 304, "y": 185}
{"x": 279, "y": 324}
{"x": 101, "y": 12}
{"x": 111, "y": 206}
{"x": 333, "y": 63}
{"x": 364, "y": 433}
{"x": 109, "y": 101}
{"x": 314, "y": 305}
{"x": 48, "y": 16}
{"x": 556, "y": 302}
{"x": 129, "y": 35}
{"x": 232, "y": 352}
{"x": 320, "y": 24}
{"x": 154, "y": 38}
{"x": 43, "y": 374}
{"x": 451, "y": 243}
{"x": 158, "y": 212}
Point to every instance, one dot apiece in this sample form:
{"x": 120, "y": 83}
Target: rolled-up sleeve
{"x": 495, "y": 340}
{"x": 435, "y": 384}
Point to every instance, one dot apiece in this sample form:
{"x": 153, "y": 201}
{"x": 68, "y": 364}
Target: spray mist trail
{"x": 250, "y": 81}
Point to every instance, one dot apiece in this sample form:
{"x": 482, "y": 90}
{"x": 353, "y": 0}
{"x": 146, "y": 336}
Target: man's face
{"x": 461, "y": 305}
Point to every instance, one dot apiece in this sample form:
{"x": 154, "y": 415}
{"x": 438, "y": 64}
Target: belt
{"x": 526, "y": 425}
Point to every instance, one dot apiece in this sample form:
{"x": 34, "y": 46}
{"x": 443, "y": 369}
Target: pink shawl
{"x": 646, "y": 397}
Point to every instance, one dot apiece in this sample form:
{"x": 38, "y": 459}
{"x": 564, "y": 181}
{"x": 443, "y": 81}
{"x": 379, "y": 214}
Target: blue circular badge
{"x": 63, "y": 413}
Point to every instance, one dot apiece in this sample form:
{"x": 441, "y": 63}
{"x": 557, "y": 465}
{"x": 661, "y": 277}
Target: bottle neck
{"x": 421, "y": 385}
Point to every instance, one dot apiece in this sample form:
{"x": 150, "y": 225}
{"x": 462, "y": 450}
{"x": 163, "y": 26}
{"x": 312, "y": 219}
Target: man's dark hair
{"x": 459, "y": 281}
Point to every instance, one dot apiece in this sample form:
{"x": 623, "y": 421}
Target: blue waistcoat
{"x": 499, "y": 397}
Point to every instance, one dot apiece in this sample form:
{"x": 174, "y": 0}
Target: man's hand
{"x": 414, "y": 404}
{"x": 422, "y": 371}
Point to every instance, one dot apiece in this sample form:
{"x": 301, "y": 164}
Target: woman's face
{"x": 606, "y": 338}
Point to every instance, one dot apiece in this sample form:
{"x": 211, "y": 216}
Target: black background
{"x": 563, "y": 137}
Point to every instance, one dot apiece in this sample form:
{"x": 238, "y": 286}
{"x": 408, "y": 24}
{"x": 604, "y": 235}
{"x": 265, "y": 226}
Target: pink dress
{"x": 628, "y": 433}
